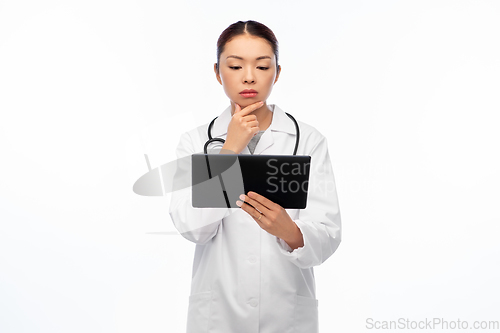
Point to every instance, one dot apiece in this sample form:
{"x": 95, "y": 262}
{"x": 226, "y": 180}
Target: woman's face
{"x": 248, "y": 62}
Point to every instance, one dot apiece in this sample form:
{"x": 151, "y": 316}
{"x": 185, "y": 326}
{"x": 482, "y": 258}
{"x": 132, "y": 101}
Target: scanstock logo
{"x": 217, "y": 180}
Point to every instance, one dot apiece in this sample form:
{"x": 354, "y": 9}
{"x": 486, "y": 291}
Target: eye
{"x": 234, "y": 67}
{"x": 264, "y": 68}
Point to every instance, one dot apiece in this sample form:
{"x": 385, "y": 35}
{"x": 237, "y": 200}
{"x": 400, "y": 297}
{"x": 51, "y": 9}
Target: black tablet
{"x": 219, "y": 179}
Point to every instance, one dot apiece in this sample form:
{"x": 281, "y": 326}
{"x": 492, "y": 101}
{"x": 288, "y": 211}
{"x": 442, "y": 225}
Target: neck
{"x": 264, "y": 116}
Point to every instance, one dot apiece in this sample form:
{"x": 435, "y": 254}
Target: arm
{"x": 319, "y": 222}
{"x": 198, "y": 225}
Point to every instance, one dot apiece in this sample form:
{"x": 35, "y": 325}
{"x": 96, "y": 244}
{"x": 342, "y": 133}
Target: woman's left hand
{"x": 274, "y": 219}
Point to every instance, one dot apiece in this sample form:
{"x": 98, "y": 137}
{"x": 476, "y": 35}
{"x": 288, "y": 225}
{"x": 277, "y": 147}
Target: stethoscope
{"x": 223, "y": 141}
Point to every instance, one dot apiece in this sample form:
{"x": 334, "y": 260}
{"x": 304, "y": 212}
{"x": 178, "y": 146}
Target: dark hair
{"x": 250, "y": 27}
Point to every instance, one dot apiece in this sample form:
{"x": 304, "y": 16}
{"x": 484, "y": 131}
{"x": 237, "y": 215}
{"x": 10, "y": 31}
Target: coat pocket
{"x": 306, "y": 315}
{"x": 199, "y": 312}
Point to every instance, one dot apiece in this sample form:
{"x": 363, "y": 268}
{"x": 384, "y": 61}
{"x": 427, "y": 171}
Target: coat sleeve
{"x": 320, "y": 221}
{"x": 198, "y": 225}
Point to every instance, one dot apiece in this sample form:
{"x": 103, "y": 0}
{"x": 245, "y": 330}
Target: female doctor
{"x": 253, "y": 265}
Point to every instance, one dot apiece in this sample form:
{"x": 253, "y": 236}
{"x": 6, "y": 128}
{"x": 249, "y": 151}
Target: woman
{"x": 253, "y": 265}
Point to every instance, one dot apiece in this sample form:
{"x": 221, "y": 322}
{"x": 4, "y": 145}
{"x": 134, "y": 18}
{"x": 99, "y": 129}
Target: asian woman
{"x": 253, "y": 266}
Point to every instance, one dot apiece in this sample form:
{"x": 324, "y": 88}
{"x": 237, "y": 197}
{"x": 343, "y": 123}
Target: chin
{"x": 243, "y": 102}
{"x": 247, "y": 101}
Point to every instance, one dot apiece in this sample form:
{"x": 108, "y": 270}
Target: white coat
{"x": 244, "y": 279}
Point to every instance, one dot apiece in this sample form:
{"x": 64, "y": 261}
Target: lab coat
{"x": 244, "y": 279}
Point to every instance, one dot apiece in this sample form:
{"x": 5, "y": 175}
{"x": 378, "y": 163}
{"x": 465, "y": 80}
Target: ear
{"x": 278, "y": 73}
{"x": 217, "y": 75}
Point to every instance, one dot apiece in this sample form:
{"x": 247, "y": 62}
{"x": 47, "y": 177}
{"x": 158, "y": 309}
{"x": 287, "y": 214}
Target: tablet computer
{"x": 219, "y": 179}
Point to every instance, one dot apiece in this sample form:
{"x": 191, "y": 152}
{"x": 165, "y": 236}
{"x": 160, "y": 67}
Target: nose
{"x": 249, "y": 76}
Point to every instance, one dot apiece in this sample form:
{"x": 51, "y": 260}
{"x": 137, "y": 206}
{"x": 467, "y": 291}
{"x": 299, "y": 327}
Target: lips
{"x": 248, "y": 93}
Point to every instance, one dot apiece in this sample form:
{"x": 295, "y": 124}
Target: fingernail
{"x": 239, "y": 203}
{"x": 242, "y": 196}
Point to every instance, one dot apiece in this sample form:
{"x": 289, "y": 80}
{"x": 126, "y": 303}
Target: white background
{"x": 407, "y": 93}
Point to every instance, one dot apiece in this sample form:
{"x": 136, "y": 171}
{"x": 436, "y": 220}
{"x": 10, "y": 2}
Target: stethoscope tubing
{"x": 210, "y": 139}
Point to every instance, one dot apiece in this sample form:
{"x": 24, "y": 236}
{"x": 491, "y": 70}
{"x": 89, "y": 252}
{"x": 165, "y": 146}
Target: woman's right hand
{"x": 241, "y": 129}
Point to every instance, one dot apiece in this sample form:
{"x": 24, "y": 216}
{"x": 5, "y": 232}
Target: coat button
{"x": 252, "y": 259}
{"x": 253, "y": 302}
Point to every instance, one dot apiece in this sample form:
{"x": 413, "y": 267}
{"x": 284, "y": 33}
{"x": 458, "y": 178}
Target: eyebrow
{"x": 259, "y": 58}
